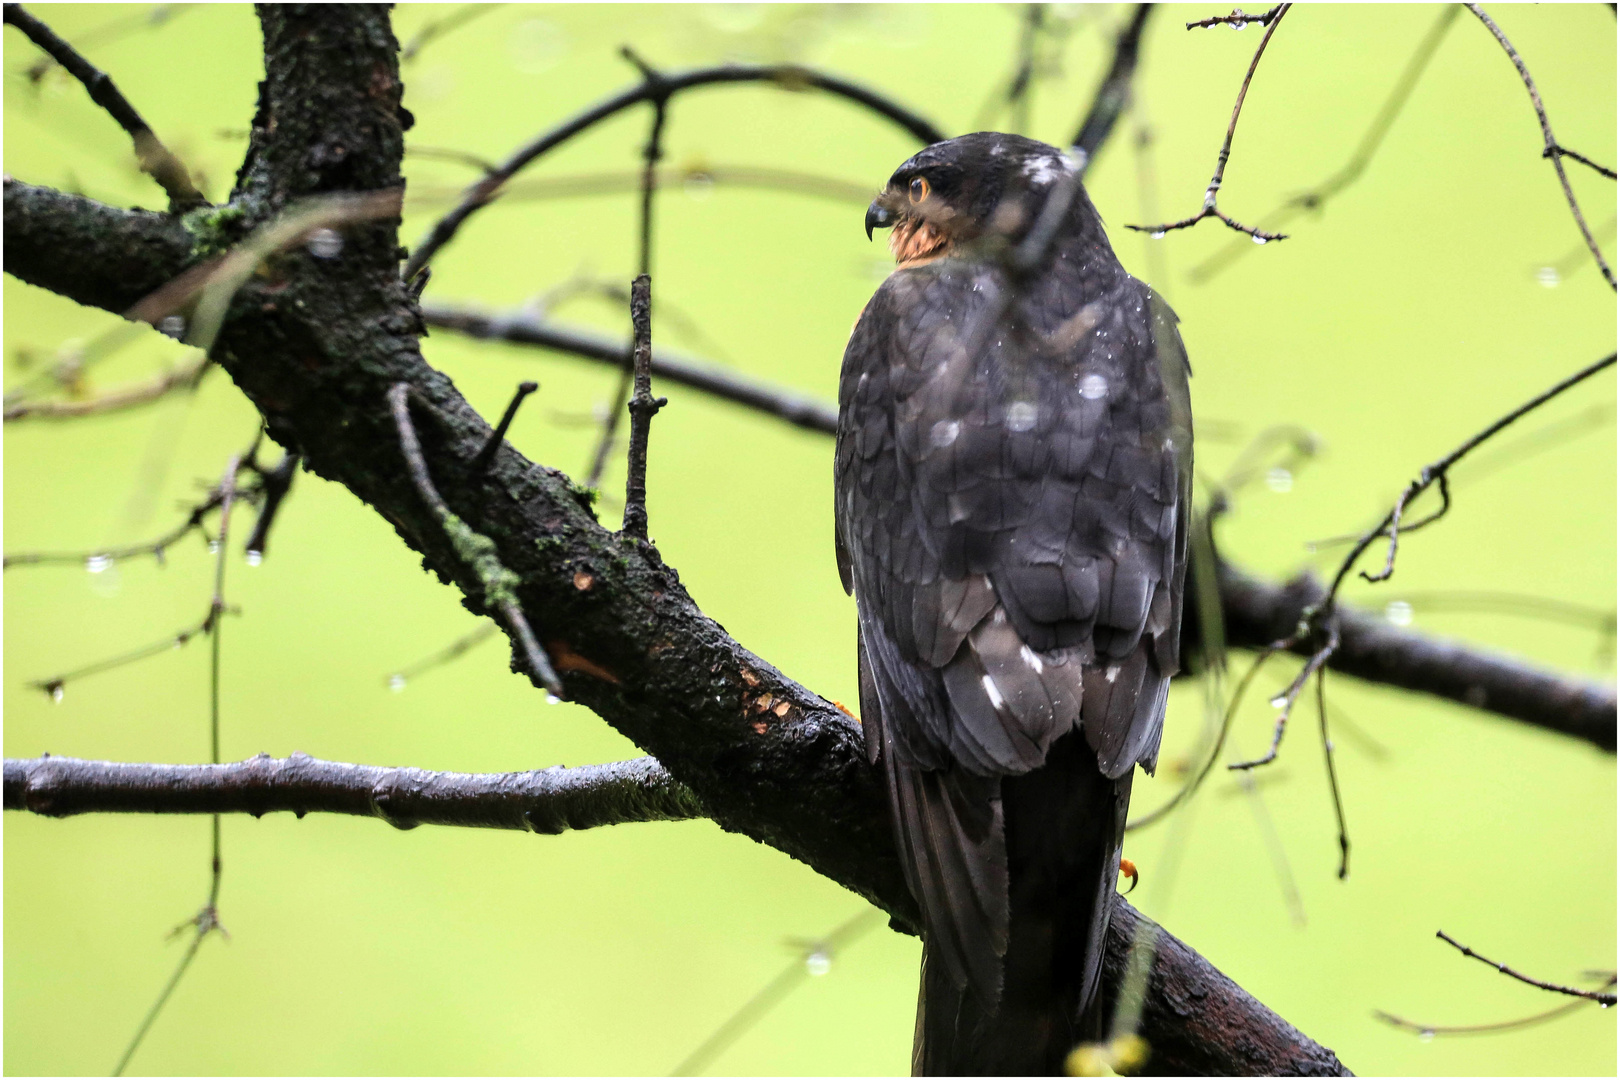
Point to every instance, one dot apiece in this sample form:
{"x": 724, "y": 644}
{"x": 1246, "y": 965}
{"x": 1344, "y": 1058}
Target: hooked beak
{"x": 878, "y": 216}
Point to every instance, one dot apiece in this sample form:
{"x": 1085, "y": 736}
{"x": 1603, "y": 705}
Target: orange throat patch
{"x": 914, "y": 242}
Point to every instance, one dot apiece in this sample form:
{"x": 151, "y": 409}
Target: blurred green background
{"x": 1417, "y": 307}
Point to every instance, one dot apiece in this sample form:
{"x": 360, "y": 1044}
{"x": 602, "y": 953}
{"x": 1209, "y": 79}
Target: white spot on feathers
{"x": 1112, "y": 673}
{"x": 990, "y": 691}
{"x": 1029, "y": 657}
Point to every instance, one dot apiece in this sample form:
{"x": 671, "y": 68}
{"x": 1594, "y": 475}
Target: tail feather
{"x": 1063, "y": 827}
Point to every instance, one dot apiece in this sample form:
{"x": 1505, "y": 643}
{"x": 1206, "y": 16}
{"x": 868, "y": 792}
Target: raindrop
{"x": 1398, "y": 612}
{"x": 174, "y": 326}
{"x": 1239, "y": 21}
{"x": 1157, "y": 234}
{"x": 1260, "y": 239}
{"x": 254, "y": 558}
{"x": 1426, "y": 1034}
{"x": 97, "y": 563}
{"x": 1549, "y": 276}
{"x": 553, "y": 699}
{"x": 213, "y": 547}
{"x": 944, "y": 433}
{"x": 1093, "y": 387}
{"x": 1603, "y": 1004}
{"x": 1279, "y": 479}
{"x": 324, "y": 244}
{"x": 1279, "y": 701}
{"x": 1329, "y": 745}
{"x": 396, "y": 683}
{"x": 1021, "y": 416}
{"x": 56, "y": 694}
{"x": 699, "y": 186}
{"x": 818, "y": 963}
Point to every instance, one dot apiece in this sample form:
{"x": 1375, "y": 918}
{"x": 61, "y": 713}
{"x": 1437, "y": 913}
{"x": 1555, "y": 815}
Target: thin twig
{"x": 440, "y": 27}
{"x": 183, "y": 376}
{"x": 1435, "y": 472}
{"x": 1237, "y": 20}
{"x": 652, "y": 153}
{"x": 475, "y": 550}
{"x": 1591, "y": 995}
{"x": 816, "y": 958}
{"x": 787, "y": 76}
{"x": 1550, "y": 146}
{"x": 276, "y": 482}
{"x": 452, "y": 651}
{"x": 206, "y": 921}
{"x": 1431, "y": 1030}
{"x": 486, "y": 456}
{"x": 1186, "y": 790}
{"x": 694, "y": 176}
{"x": 102, "y": 558}
{"x": 1333, "y": 774}
{"x": 1285, "y": 701}
{"x": 155, "y": 158}
{"x": 1114, "y": 94}
{"x": 525, "y": 328}
{"x": 53, "y": 686}
{"x": 643, "y": 406}
{"x": 1350, "y": 172}
{"x": 1273, "y": 20}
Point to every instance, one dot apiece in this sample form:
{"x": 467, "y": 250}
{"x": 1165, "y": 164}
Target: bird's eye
{"x": 919, "y": 189}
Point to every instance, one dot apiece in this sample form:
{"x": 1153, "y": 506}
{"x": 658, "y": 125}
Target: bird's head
{"x": 964, "y": 189}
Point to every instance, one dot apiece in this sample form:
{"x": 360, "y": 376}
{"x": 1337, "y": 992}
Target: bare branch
{"x": 1373, "y": 649}
{"x": 155, "y": 159}
{"x": 476, "y": 550}
{"x": 183, "y": 376}
{"x": 1114, "y": 94}
{"x": 525, "y": 328}
{"x": 788, "y": 77}
{"x": 485, "y": 456}
{"x": 1272, "y": 19}
{"x": 1550, "y": 146}
{"x": 1602, "y": 998}
{"x": 541, "y": 800}
{"x": 1435, "y": 473}
{"x": 1238, "y": 20}
{"x": 643, "y": 406}
{"x": 1316, "y": 198}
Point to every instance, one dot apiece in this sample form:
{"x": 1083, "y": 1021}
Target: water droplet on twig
{"x": 1280, "y": 480}
{"x": 1157, "y": 234}
{"x": 396, "y": 683}
{"x": 325, "y": 243}
{"x": 254, "y": 558}
{"x": 1398, "y": 612}
{"x": 97, "y": 563}
{"x": 553, "y": 699}
{"x": 1549, "y": 277}
{"x": 818, "y": 963}
{"x": 1260, "y": 239}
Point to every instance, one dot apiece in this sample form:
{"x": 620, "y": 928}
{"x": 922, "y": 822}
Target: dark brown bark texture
{"x": 318, "y": 343}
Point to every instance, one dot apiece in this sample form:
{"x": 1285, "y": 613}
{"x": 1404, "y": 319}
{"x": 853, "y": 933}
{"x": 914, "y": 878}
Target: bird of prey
{"x": 1012, "y": 484}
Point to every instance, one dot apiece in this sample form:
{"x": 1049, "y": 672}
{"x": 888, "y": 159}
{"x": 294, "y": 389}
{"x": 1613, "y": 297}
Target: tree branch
{"x": 525, "y": 328}
{"x": 787, "y": 76}
{"x": 1115, "y": 92}
{"x": 548, "y": 801}
{"x": 1198, "y": 1021}
{"x": 1257, "y": 612}
{"x": 1550, "y": 147}
{"x": 1370, "y": 648}
{"x": 155, "y": 158}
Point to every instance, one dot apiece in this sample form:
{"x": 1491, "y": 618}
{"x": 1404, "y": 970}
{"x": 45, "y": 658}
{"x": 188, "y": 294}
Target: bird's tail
{"x": 1063, "y": 823}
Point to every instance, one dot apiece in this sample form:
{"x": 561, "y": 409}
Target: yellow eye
{"x": 919, "y": 189}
